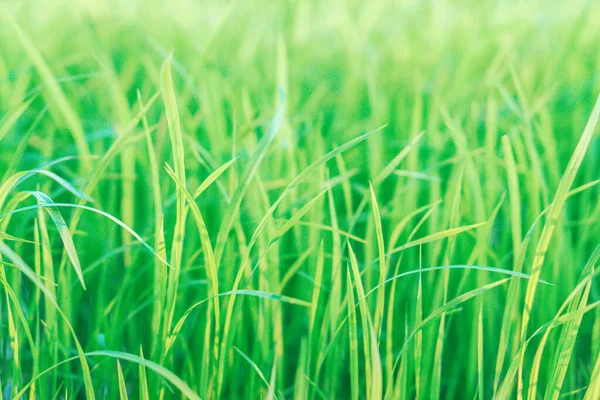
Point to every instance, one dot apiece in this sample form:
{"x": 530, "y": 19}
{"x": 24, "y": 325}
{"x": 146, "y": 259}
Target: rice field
{"x": 392, "y": 199}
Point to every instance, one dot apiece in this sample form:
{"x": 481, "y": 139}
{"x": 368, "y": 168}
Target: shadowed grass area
{"x": 299, "y": 200}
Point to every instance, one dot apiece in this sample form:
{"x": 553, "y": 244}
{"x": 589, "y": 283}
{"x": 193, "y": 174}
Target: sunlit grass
{"x": 303, "y": 200}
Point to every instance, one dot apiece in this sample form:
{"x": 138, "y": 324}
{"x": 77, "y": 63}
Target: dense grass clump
{"x": 299, "y": 200}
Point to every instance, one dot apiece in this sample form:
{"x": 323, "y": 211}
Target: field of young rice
{"x": 383, "y": 199}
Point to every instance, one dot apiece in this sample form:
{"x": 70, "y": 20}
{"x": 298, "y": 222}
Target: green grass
{"x": 299, "y": 200}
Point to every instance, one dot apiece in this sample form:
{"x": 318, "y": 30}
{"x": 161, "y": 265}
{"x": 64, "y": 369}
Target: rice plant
{"x": 300, "y": 199}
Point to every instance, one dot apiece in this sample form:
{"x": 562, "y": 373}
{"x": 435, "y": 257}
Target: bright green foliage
{"x": 299, "y": 199}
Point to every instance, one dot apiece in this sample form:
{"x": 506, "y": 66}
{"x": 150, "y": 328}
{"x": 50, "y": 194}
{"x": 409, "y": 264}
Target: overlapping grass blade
{"x": 63, "y": 231}
{"x": 26, "y": 270}
{"x": 249, "y": 172}
{"x": 552, "y": 218}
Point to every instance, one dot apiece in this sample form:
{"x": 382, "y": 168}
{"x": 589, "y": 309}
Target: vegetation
{"x": 299, "y": 200}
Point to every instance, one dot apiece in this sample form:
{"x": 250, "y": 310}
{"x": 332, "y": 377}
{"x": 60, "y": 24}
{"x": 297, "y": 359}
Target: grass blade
{"x": 249, "y": 172}
{"x": 552, "y": 218}
{"x": 122, "y": 387}
{"x": 353, "y": 339}
{"x": 378, "y": 318}
{"x": 63, "y": 231}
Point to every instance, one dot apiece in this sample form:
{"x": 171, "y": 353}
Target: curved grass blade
{"x": 434, "y": 237}
{"x": 19, "y": 177}
{"x": 160, "y": 370}
{"x": 242, "y": 292}
{"x": 63, "y": 231}
{"x": 254, "y": 366}
{"x": 157, "y": 254}
{"x": 213, "y": 177}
